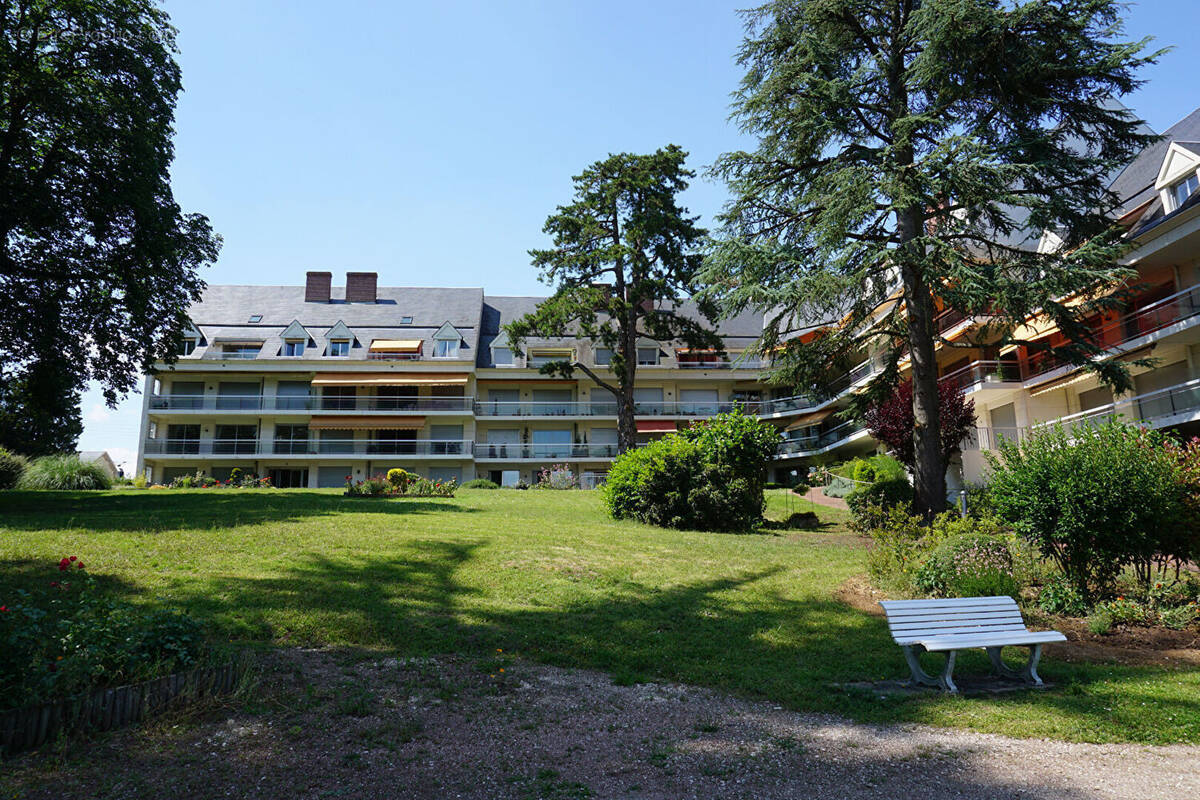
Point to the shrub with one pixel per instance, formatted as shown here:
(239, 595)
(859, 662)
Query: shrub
(1126, 611)
(1179, 617)
(11, 468)
(839, 486)
(424, 487)
(68, 638)
(481, 483)
(63, 472)
(559, 476)
(398, 478)
(1092, 500)
(708, 477)
(139, 482)
(376, 486)
(1099, 622)
(902, 544)
(969, 565)
(869, 504)
(1060, 596)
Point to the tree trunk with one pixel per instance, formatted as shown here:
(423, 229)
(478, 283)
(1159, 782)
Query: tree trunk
(929, 467)
(626, 426)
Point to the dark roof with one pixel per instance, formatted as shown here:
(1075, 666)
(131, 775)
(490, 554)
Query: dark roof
(1134, 185)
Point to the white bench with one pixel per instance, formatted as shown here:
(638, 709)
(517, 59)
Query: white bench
(961, 623)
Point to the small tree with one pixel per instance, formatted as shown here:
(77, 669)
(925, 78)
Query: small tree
(1093, 500)
(891, 421)
(624, 260)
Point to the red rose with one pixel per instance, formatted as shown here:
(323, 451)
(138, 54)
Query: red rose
(3, 609)
(73, 558)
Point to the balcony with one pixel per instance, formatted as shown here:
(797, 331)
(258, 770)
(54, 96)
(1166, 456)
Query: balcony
(990, 438)
(826, 440)
(1180, 307)
(386, 356)
(486, 451)
(1168, 406)
(365, 448)
(978, 374)
(240, 354)
(307, 403)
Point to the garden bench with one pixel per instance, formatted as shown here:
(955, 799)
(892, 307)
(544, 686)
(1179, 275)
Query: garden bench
(960, 623)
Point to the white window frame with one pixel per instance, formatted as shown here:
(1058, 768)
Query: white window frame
(1191, 182)
(512, 357)
(186, 347)
(450, 345)
(654, 363)
(602, 362)
(334, 346)
(294, 344)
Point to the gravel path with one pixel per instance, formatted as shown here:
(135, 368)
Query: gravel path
(328, 724)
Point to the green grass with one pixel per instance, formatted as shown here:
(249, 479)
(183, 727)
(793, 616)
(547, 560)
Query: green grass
(546, 576)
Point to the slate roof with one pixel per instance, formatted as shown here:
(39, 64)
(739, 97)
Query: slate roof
(498, 311)
(224, 313)
(1135, 184)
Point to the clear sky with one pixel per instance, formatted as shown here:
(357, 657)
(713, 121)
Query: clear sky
(428, 141)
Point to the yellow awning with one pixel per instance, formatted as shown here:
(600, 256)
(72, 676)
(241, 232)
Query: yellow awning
(396, 346)
(1031, 330)
(388, 379)
(808, 420)
(366, 423)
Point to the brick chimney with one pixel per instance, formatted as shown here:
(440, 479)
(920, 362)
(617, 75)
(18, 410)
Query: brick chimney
(316, 287)
(360, 287)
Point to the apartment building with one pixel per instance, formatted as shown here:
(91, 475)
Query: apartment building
(313, 384)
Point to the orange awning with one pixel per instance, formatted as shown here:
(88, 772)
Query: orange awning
(656, 426)
(366, 423)
(389, 379)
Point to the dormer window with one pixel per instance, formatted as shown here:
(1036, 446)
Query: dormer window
(294, 347)
(502, 356)
(1182, 190)
(445, 348)
(339, 348)
(186, 347)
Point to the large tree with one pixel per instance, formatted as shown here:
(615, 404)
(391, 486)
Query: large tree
(623, 264)
(906, 151)
(91, 238)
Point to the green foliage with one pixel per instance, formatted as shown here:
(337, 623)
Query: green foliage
(1093, 499)
(67, 638)
(12, 466)
(423, 487)
(63, 472)
(839, 486)
(707, 477)
(1179, 617)
(867, 503)
(481, 483)
(558, 476)
(973, 564)
(99, 263)
(398, 479)
(1099, 622)
(624, 258)
(1060, 596)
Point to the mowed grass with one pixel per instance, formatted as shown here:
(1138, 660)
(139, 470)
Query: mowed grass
(547, 576)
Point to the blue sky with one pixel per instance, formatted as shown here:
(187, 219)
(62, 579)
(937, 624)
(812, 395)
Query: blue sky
(428, 141)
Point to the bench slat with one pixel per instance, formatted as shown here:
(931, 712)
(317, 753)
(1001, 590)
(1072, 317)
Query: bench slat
(930, 630)
(958, 612)
(918, 619)
(941, 643)
(943, 602)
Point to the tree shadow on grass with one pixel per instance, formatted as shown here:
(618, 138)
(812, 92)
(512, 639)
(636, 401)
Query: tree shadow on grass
(724, 632)
(169, 510)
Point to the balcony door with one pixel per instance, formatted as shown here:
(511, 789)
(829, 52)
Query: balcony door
(291, 439)
(292, 396)
(648, 399)
(393, 441)
(552, 402)
(554, 443)
(239, 395)
(447, 439)
(338, 398)
(186, 394)
(239, 439)
(503, 402)
(396, 398)
(183, 439)
(503, 443)
(698, 402)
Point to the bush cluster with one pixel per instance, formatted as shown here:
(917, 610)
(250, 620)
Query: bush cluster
(63, 472)
(558, 476)
(12, 466)
(708, 477)
(411, 485)
(1096, 500)
(237, 480)
(69, 638)
(481, 483)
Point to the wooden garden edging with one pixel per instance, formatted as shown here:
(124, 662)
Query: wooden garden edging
(106, 709)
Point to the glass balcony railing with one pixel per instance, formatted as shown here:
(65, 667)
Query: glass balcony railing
(810, 444)
(309, 447)
(489, 451)
(983, 372)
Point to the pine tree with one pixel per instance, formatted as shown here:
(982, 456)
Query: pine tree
(909, 155)
(624, 261)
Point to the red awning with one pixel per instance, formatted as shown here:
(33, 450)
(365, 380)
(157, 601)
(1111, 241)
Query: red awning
(656, 426)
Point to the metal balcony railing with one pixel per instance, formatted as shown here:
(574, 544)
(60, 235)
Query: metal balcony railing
(805, 445)
(490, 451)
(978, 372)
(309, 403)
(393, 356)
(990, 438)
(235, 355)
(1183, 398)
(309, 447)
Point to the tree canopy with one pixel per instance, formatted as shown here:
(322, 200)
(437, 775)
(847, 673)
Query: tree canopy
(623, 263)
(909, 155)
(98, 263)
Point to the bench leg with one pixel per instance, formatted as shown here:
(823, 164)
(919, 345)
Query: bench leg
(1028, 674)
(945, 681)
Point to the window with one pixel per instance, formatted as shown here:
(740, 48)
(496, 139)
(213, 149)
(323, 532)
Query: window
(406, 320)
(186, 347)
(255, 318)
(603, 356)
(539, 357)
(293, 348)
(1180, 192)
(340, 348)
(445, 348)
(647, 356)
(502, 356)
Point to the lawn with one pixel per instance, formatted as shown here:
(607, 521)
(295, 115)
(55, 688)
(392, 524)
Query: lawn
(546, 576)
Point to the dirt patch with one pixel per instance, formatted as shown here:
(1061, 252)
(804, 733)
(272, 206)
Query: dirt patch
(1153, 646)
(352, 724)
